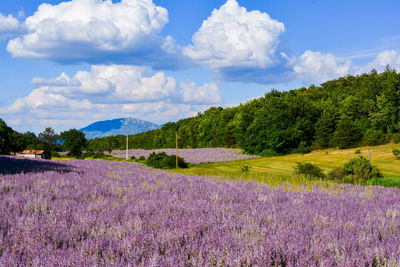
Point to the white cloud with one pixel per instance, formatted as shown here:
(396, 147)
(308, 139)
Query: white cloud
(9, 25)
(109, 92)
(95, 31)
(315, 67)
(383, 59)
(62, 80)
(208, 93)
(234, 37)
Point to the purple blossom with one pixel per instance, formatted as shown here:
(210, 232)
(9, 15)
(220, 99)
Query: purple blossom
(194, 155)
(126, 214)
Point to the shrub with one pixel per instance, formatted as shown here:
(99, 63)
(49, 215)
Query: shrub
(337, 174)
(309, 170)
(361, 170)
(396, 153)
(358, 151)
(245, 168)
(132, 157)
(142, 158)
(163, 161)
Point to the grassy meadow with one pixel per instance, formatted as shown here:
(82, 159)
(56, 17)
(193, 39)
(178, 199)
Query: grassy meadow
(278, 169)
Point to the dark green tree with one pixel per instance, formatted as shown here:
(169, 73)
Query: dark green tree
(74, 141)
(324, 129)
(5, 138)
(17, 142)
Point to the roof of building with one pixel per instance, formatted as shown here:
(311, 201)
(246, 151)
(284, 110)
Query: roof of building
(34, 152)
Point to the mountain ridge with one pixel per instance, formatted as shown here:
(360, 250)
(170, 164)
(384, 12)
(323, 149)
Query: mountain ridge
(119, 126)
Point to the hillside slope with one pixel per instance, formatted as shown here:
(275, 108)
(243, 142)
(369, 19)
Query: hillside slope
(121, 126)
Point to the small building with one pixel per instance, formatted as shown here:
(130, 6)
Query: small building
(37, 154)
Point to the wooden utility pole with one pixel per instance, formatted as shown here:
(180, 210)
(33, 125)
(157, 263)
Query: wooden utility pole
(176, 139)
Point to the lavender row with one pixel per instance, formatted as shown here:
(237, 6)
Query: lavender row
(125, 214)
(195, 155)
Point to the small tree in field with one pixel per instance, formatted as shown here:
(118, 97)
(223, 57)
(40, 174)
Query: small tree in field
(74, 141)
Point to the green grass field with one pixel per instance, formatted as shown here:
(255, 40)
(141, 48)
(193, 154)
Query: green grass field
(275, 170)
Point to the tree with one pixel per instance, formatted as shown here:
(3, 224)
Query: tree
(74, 141)
(5, 138)
(324, 129)
(49, 138)
(17, 142)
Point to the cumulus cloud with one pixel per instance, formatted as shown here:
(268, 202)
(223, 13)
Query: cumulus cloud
(97, 31)
(235, 37)
(208, 93)
(315, 67)
(126, 84)
(9, 25)
(385, 58)
(112, 91)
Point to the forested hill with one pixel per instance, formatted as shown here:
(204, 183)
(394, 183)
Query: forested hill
(347, 112)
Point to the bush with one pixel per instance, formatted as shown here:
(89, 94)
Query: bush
(246, 168)
(358, 151)
(163, 161)
(132, 157)
(396, 153)
(361, 170)
(142, 158)
(337, 174)
(309, 170)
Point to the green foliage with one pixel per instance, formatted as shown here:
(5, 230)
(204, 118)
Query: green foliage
(340, 113)
(74, 141)
(396, 153)
(385, 181)
(141, 158)
(360, 170)
(395, 138)
(358, 151)
(374, 137)
(309, 170)
(245, 168)
(163, 161)
(132, 157)
(337, 174)
(5, 138)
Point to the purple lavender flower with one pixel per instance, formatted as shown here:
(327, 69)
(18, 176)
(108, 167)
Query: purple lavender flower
(101, 213)
(195, 155)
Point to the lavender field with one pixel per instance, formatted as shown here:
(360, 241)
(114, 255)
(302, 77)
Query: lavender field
(90, 213)
(193, 155)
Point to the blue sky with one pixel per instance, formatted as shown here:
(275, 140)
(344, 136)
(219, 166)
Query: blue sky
(65, 64)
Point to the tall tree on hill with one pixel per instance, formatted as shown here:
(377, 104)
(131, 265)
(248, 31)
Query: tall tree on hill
(324, 129)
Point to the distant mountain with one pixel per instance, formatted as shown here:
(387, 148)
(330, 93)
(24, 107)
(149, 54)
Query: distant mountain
(118, 126)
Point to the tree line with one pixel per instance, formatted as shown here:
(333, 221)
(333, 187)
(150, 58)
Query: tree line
(346, 112)
(49, 141)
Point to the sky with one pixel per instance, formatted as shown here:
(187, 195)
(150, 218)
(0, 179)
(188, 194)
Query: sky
(66, 64)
